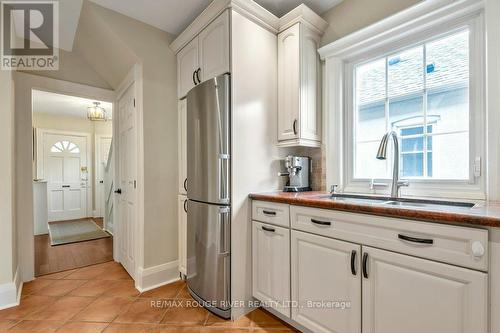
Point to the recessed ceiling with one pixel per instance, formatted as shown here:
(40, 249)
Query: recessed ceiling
(281, 7)
(64, 105)
(173, 16)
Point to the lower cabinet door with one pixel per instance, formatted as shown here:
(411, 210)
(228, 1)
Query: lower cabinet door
(182, 227)
(271, 266)
(412, 295)
(326, 284)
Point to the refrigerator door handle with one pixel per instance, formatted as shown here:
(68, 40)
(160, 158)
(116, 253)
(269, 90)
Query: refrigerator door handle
(223, 240)
(224, 177)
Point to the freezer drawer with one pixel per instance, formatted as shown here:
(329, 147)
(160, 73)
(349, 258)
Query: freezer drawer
(208, 141)
(208, 253)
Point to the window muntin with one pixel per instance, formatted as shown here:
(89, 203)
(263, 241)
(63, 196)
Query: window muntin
(422, 88)
(65, 147)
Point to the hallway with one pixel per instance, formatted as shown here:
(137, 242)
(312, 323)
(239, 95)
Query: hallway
(102, 298)
(51, 259)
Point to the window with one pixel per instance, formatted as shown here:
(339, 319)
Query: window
(65, 147)
(421, 93)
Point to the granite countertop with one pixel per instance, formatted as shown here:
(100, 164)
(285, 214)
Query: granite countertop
(482, 214)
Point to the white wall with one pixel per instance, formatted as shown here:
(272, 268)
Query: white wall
(8, 227)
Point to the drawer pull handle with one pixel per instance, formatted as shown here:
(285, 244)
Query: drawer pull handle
(353, 262)
(268, 229)
(415, 239)
(365, 265)
(269, 213)
(321, 222)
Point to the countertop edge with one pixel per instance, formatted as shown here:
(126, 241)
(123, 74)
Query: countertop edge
(454, 218)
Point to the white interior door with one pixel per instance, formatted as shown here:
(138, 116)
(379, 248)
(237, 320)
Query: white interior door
(103, 144)
(66, 172)
(127, 170)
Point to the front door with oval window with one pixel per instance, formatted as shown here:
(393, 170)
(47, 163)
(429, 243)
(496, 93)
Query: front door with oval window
(65, 169)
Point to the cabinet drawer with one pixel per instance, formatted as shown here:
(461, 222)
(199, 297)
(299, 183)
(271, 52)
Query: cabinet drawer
(270, 212)
(462, 246)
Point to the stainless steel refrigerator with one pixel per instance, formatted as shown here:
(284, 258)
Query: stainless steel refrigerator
(209, 194)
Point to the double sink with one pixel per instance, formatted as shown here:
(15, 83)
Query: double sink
(401, 202)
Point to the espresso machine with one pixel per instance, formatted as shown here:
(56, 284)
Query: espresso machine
(298, 173)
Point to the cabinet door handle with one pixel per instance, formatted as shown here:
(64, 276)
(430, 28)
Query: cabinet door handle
(194, 78)
(416, 240)
(269, 213)
(66, 186)
(268, 229)
(353, 262)
(365, 265)
(294, 125)
(321, 222)
(185, 206)
(198, 74)
(185, 184)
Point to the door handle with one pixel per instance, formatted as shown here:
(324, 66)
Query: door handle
(353, 262)
(268, 229)
(185, 206)
(118, 191)
(321, 222)
(416, 240)
(269, 213)
(66, 186)
(294, 125)
(365, 265)
(198, 74)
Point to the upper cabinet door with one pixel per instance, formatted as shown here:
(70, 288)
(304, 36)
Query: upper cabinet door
(187, 66)
(214, 48)
(310, 85)
(324, 271)
(289, 83)
(412, 295)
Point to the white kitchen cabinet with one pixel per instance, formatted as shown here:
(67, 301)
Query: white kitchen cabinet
(271, 265)
(182, 230)
(205, 57)
(299, 87)
(321, 271)
(187, 65)
(213, 44)
(182, 148)
(407, 294)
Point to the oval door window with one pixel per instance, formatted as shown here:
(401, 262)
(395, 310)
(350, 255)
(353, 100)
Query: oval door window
(65, 147)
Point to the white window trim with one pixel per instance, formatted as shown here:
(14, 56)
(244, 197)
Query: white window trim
(412, 26)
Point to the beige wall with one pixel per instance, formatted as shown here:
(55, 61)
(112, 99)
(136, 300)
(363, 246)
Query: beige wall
(151, 47)
(8, 235)
(352, 15)
(73, 124)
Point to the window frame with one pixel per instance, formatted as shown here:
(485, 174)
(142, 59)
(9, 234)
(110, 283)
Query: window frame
(472, 188)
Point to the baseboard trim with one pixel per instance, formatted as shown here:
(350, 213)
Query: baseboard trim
(10, 293)
(157, 276)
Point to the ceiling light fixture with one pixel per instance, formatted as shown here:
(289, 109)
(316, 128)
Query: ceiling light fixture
(97, 113)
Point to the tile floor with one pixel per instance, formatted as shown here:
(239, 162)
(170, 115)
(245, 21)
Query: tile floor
(102, 298)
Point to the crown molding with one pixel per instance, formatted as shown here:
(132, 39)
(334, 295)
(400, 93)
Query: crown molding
(254, 12)
(421, 16)
(303, 14)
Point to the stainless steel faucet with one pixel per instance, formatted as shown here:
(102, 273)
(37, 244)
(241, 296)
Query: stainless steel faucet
(382, 155)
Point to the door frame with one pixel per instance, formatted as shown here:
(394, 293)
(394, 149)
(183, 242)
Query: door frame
(97, 153)
(133, 77)
(24, 85)
(40, 167)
